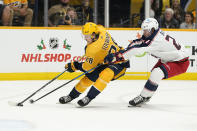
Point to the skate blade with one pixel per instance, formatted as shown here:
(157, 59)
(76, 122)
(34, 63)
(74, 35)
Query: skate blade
(139, 105)
(78, 106)
(58, 103)
(135, 106)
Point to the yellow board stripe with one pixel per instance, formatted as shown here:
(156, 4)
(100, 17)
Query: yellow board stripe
(69, 76)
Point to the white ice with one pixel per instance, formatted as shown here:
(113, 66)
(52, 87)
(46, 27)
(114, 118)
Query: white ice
(172, 108)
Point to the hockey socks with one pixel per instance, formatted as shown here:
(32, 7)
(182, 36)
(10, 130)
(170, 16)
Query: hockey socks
(152, 84)
(149, 89)
(145, 95)
(93, 92)
(74, 93)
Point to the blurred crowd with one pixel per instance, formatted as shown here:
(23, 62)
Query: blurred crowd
(65, 14)
(173, 16)
(11, 11)
(62, 12)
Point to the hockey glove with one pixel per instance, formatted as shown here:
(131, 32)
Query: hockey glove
(114, 57)
(110, 58)
(70, 67)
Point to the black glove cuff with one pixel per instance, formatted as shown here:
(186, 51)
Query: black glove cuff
(78, 66)
(70, 69)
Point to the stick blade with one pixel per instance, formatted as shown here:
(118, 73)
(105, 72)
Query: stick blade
(11, 103)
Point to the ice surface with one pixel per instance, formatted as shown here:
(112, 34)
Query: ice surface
(172, 108)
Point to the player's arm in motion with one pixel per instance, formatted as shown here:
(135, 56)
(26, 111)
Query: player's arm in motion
(173, 60)
(99, 45)
(136, 47)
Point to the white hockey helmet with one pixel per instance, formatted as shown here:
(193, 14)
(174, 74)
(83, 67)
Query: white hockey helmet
(149, 23)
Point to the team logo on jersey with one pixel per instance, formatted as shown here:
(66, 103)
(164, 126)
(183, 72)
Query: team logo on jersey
(53, 43)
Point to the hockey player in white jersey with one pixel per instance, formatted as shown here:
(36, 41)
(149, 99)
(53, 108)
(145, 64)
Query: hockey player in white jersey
(173, 59)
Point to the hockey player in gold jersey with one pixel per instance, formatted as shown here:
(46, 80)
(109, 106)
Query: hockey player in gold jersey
(99, 45)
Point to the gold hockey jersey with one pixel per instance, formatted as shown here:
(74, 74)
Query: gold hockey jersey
(96, 52)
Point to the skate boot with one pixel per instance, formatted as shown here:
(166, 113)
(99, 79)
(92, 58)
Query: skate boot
(65, 99)
(139, 100)
(83, 102)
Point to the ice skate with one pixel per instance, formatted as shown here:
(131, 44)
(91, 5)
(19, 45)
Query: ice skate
(83, 102)
(139, 100)
(65, 99)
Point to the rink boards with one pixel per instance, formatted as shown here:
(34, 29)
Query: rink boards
(41, 53)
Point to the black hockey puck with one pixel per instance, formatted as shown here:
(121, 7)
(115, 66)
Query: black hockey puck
(19, 104)
(31, 101)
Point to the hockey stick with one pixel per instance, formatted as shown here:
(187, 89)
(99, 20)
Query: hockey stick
(33, 101)
(21, 103)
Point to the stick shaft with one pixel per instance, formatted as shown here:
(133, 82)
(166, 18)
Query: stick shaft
(42, 87)
(64, 84)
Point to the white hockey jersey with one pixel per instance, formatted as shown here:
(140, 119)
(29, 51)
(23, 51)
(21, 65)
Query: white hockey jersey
(159, 45)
